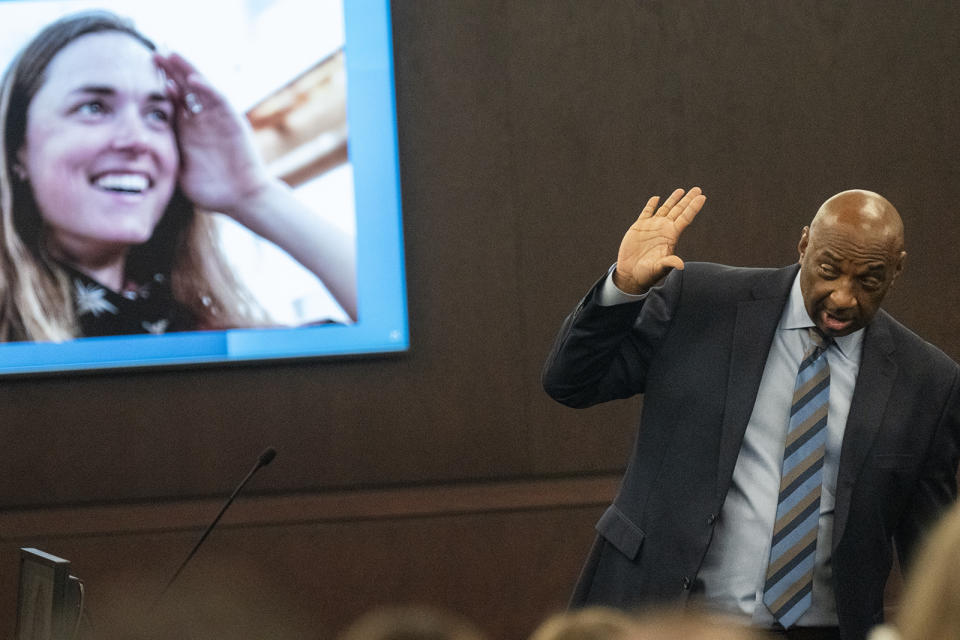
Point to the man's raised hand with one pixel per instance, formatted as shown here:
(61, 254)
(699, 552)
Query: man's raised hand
(646, 251)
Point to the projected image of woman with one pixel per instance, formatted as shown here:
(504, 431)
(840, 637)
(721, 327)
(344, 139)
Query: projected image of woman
(112, 154)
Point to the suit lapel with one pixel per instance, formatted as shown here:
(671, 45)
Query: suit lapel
(878, 370)
(756, 324)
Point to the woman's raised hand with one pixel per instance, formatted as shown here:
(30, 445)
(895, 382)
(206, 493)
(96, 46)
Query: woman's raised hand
(220, 168)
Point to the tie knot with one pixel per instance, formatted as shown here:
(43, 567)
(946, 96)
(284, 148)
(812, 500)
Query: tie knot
(820, 342)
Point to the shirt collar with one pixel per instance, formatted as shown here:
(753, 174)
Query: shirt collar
(795, 316)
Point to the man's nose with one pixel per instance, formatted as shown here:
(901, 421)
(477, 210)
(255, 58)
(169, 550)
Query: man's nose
(842, 296)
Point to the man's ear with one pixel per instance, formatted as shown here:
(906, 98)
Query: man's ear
(804, 240)
(898, 267)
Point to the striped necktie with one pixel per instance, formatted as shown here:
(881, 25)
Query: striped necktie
(789, 581)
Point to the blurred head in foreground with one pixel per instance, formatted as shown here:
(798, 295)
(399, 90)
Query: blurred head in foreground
(601, 623)
(411, 623)
(930, 606)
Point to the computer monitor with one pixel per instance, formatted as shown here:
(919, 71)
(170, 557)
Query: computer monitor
(48, 600)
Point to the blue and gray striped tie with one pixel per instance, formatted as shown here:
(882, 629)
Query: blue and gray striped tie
(789, 582)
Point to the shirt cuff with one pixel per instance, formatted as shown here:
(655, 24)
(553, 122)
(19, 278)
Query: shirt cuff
(611, 295)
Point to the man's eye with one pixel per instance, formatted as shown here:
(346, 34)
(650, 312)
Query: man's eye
(827, 271)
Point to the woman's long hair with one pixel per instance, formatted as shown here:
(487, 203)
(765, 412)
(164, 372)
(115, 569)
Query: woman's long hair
(35, 298)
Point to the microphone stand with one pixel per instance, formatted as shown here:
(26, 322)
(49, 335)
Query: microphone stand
(265, 458)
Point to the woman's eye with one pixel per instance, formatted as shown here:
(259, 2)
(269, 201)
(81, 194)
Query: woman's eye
(93, 108)
(160, 115)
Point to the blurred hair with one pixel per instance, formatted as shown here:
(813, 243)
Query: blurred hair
(411, 623)
(693, 624)
(591, 623)
(603, 623)
(35, 298)
(929, 608)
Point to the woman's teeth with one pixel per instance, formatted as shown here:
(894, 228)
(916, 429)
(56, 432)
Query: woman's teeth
(125, 182)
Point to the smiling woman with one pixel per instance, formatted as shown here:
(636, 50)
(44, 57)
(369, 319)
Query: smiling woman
(100, 152)
(113, 154)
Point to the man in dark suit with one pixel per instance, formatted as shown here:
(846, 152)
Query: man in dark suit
(754, 489)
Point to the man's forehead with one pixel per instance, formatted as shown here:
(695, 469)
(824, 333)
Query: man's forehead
(869, 261)
(868, 258)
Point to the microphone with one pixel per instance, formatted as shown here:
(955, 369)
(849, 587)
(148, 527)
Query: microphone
(265, 458)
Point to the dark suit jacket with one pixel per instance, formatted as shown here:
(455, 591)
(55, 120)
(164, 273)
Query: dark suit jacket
(696, 348)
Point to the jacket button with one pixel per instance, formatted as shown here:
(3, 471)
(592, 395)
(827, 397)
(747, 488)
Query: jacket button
(711, 518)
(685, 582)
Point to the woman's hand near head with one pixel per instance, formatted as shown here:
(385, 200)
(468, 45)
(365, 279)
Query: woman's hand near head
(220, 168)
(222, 171)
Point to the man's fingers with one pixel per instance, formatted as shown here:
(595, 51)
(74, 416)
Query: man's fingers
(682, 205)
(650, 206)
(690, 212)
(670, 262)
(669, 204)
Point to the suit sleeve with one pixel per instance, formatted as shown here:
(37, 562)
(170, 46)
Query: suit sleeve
(937, 486)
(603, 352)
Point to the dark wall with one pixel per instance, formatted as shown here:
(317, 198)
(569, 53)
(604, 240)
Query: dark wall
(530, 134)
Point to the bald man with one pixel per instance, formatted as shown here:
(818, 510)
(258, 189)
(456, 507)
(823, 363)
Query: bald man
(792, 431)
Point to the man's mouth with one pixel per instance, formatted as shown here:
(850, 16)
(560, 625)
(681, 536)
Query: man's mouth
(835, 323)
(122, 182)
